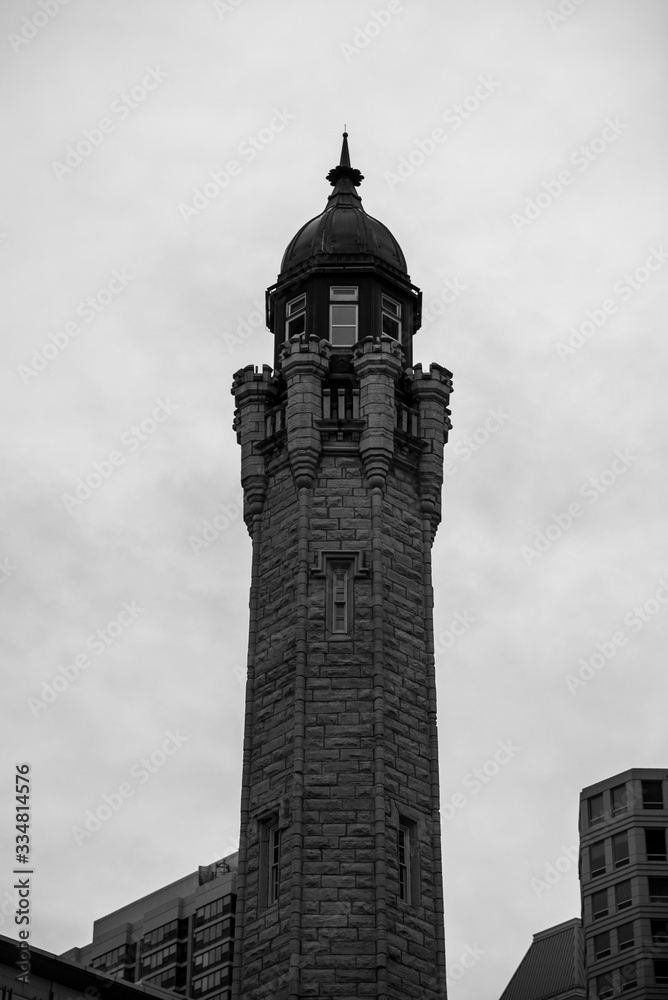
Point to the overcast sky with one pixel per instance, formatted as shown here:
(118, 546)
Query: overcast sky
(518, 155)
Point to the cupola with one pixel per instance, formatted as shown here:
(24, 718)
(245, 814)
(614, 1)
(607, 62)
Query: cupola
(343, 275)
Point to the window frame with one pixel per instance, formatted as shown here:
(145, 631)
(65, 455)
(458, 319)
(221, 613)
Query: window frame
(625, 902)
(621, 838)
(597, 847)
(391, 316)
(346, 296)
(295, 310)
(647, 801)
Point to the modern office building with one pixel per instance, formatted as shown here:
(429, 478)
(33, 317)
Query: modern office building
(339, 883)
(624, 885)
(553, 967)
(179, 938)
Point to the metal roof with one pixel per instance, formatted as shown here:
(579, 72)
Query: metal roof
(553, 967)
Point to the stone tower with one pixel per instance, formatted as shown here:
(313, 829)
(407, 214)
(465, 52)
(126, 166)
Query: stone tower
(339, 883)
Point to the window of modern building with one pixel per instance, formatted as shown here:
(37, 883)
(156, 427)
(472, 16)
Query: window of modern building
(620, 849)
(221, 977)
(658, 890)
(601, 945)
(660, 971)
(223, 929)
(628, 977)
(655, 844)
(391, 317)
(623, 896)
(652, 795)
(595, 809)
(599, 904)
(214, 956)
(167, 932)
(619, 799)
(597, 859)
(625, 936)
(604, 986)
(164, 956)
(206, 913)
(343, 315)
(295, 316)
(659, 931)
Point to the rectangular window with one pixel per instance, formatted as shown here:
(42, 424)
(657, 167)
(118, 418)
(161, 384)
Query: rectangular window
(628, 977)
(619, 799)
(660, 971)
(625, 937)
(274, 863)
(623, 898)
(408, 862)
(659, 931)
(601, 945)
(295, 317)
(339, 596)
(604, 987)
(391, 317)
(658, 890)
(404, 859)
(655, 844)
(597, 859)
(599, 904)
(595, 809)
(652, 795)
(343, 315)
(620, 849)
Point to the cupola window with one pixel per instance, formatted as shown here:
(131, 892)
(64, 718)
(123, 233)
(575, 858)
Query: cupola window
(391, 317)
(295, 316)
(343, 315)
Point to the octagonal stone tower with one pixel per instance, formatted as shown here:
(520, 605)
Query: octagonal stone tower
(339, 882)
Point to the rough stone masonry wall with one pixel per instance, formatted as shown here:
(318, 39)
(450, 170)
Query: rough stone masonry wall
(338, 924)
(266, 928)
(411, 937)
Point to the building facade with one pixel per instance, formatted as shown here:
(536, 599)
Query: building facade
(624, 885)
(179, 938)
(553, 967)
(339, 880)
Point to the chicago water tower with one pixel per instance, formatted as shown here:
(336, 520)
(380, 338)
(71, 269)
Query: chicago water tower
(339, 883)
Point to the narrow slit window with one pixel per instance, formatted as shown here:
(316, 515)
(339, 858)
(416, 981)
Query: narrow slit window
(340, 596)
(404, 860)
(275, 863)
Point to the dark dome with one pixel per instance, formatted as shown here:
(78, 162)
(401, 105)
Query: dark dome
(344, 229)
